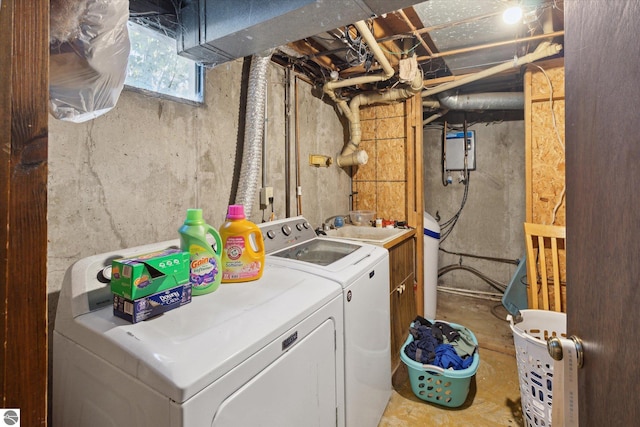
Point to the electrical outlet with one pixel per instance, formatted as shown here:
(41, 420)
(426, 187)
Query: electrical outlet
(266, 196)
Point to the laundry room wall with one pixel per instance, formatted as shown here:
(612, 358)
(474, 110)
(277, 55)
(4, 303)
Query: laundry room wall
(127, 178)
(490, 224)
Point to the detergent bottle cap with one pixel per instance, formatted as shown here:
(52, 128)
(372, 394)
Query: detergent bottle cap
(235, 212)
(194, 216)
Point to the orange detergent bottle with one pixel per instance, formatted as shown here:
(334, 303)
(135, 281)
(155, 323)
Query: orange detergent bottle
(242, 247)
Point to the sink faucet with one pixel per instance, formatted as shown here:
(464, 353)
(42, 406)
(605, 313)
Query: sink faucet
(328, 223)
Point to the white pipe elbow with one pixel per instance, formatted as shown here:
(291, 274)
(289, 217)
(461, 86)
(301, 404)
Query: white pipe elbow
(358, 157)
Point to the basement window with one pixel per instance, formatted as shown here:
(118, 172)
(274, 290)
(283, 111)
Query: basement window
(155, 66)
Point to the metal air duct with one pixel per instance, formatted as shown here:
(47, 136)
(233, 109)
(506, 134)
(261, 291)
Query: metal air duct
(482, 101)
(216, 31)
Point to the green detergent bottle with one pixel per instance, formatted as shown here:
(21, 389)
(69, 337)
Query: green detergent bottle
(205, 271)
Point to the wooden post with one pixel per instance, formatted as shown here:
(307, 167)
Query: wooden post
(24, 84)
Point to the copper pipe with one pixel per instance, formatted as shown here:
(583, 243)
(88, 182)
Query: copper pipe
(297, 130)
(287, 141)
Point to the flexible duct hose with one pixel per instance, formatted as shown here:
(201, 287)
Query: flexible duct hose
(253, 132)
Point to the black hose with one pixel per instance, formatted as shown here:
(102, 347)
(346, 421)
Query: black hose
(505, 260)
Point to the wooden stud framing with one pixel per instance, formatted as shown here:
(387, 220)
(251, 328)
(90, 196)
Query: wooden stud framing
(24, 87)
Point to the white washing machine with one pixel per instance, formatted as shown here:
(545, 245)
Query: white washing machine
(262, 353)
(362, 270)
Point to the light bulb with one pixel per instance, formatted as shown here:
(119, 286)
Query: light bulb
(513, 15)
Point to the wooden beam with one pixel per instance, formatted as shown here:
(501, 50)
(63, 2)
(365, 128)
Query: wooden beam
(414, 188)
(415, 32)
(306, 48)
(24, 88)
(390, 48)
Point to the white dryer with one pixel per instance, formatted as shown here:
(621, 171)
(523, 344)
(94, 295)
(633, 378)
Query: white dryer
(262, 353)
(362, 270)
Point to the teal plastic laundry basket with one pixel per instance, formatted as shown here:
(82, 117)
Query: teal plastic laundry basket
(434, 384)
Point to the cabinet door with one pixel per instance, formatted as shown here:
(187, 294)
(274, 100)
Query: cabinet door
(403, 311)
(403, 299)
(402, 262)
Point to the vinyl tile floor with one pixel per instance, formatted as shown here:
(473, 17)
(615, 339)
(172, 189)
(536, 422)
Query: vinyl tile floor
(494, 393)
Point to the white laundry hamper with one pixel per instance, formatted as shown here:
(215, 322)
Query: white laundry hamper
(535, 365)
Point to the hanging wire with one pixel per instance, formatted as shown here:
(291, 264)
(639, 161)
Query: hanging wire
(461, 254)
(404, 52)
(358, 52)
(448, 225)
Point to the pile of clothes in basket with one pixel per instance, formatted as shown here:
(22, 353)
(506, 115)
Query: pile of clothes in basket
(439, 344)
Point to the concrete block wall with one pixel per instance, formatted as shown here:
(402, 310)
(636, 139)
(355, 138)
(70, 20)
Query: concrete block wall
(491, 222)
(126, 178)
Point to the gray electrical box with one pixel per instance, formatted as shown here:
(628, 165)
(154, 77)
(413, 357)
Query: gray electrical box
(454, 150)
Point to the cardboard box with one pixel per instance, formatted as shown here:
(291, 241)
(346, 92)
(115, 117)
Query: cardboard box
(146, 307)
(147, 274)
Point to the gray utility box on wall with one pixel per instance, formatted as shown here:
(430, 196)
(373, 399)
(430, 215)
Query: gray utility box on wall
(454, 150)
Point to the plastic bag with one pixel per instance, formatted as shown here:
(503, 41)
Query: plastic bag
(86, 74)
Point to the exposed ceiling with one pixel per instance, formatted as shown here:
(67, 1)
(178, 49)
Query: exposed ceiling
(451, 39)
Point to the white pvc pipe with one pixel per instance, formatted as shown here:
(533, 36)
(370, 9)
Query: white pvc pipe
(544, 50)
(359, 157)
(350, 154)
(468, 294)
(362, 28)
(434, 117)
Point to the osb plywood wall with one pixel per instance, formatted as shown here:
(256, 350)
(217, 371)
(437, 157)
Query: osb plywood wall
(391, 182)
(545, 154)
(381, 184)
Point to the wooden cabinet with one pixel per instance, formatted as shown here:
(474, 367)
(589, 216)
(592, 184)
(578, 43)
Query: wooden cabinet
(402, 294)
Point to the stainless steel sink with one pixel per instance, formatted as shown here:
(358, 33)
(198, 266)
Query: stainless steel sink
(376, 236)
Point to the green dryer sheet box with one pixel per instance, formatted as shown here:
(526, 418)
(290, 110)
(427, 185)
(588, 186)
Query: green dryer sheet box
(147, 274)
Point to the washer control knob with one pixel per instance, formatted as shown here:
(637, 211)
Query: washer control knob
(286, 229)
(104, 275)
(271, 234)
(299, 226)
(306, 225)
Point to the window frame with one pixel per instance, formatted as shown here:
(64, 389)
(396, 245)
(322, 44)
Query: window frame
(199, 78)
